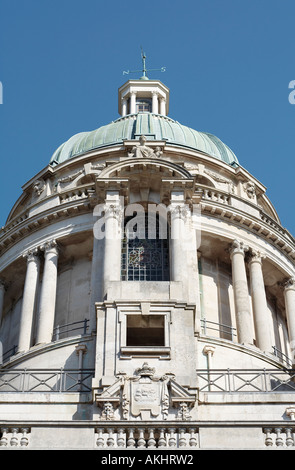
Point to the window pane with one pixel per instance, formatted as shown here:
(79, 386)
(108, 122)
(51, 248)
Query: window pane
(145, 259)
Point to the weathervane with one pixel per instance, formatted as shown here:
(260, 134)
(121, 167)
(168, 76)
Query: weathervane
(144, 69)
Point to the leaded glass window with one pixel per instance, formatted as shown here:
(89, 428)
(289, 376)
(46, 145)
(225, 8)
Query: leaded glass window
(144, 258)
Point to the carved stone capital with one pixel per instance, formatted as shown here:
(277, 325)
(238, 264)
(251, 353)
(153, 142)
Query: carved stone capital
(288, 283)
(180, 211)
(255, 256)
(291, 413)
(238, 247)
(32, 255)
(114, 211)
(50, 247)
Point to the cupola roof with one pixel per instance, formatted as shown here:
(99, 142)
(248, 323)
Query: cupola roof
(154, 127)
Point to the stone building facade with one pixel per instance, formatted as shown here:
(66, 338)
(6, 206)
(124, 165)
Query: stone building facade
(147, 294)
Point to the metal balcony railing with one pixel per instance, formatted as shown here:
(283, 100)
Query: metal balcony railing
(224, 330)
(46, 380)
(63, 331)
(246, 381)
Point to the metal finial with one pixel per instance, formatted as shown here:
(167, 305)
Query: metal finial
(144, 69)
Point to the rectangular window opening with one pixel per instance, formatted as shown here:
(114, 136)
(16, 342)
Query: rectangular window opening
(145, 330)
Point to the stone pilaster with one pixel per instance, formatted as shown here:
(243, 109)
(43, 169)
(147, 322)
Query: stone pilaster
(241, 293)
(289, 294)
(132, 103)
(163, 106)
(179, 212)
(261, 317)
(113, 238)
(2, 293)
(29, 300)
(155, 103)
(48, 294)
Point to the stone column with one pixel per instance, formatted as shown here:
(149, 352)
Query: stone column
(289, 294)
(178, 237)
(2, 292)
(113, 238)
(155, 103)
(48, 294)
(261, 318)
(132, 103)
(29, 300)
(163, 106)
(241, 294)
(124, 107)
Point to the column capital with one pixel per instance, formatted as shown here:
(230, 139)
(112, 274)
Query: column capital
(208, 349)
(179, 211)
(238, 247)
(255, 256)
(288, 283)
(49, 247)
(32, 255)
(114, 210)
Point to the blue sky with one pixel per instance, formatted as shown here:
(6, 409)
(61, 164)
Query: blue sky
(228, 67)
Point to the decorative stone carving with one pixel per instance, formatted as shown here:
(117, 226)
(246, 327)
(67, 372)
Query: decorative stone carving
(69, 178)
(108, 411)
(145, 395)
(250, 189)
(255, 256)
(288, 283)
(238, 247)
(38, 187)
(180, 211)
(143, 151)
(98, 166)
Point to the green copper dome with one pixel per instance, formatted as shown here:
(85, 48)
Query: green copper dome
(154, 127)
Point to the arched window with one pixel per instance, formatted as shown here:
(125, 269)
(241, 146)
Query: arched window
(145, 257)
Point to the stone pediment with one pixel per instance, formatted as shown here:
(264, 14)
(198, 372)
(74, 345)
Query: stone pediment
(145, 395)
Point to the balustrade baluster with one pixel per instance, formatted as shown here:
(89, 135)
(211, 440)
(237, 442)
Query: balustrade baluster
(182, 437)
(279, 439)
(172, 438)
(121, 438)
(4, 438)
(151, 439)
(14, 438)
(162, 440)
(193, 441)
(24, 441)
(268, 438)
(131, 440)
(141, 440)
(110, 438)
(100, 439)
(289, 437)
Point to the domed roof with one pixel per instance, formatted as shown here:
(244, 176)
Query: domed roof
(154, 127)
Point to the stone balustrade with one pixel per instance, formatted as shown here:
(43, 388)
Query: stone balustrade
(146, 437)
(279, 436)
(14, 437)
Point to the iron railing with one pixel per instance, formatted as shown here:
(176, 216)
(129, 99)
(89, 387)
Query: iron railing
(213, 380)
(7, 354)
(62, 331)
(282, 357)
(227, 330)
(246, 381)
(46, 380)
